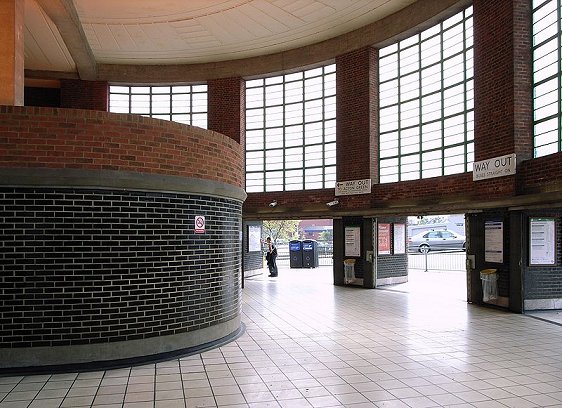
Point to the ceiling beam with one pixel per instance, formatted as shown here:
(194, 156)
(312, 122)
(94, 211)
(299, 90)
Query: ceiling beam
(65, 17)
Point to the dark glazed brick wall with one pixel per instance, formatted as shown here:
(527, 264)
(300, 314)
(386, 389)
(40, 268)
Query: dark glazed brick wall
(252, 260)
(545, 282)
(393, 265)
(92, 266)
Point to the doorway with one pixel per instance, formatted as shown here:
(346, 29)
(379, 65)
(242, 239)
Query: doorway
(436, 249)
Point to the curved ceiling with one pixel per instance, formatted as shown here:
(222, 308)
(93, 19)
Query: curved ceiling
(75, 36)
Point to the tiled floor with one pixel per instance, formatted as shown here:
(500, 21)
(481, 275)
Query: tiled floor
(311, 344)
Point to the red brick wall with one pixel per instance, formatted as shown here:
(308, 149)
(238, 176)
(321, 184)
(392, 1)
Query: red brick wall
(494, 76)
(502, 87)
(356, 93)
(503, 78)
(226, 114)
(288, 202)
(86, 139)
(77, 94)
(541, 175)
(523, 79)
(227, 107)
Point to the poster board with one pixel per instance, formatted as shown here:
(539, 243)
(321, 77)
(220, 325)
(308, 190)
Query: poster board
(493, 241)
(254, 238)
(384, 239)
(542, 241)
(399, 239)
(352, 241)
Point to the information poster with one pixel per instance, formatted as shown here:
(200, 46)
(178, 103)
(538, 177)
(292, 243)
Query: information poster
(542, 241)
(384, 239)
(352, 241)
(493, 241)
(399, 238)
(254, 238)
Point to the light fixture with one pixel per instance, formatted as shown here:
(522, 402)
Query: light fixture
(332, 203)
(273, 203)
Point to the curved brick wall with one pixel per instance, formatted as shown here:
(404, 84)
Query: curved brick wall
(99, 255)
(73, 138)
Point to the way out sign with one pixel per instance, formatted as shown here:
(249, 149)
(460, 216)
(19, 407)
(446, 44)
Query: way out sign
(353, 187)
(495, 167)
(199, 224)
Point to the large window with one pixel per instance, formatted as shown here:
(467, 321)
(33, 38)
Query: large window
(546, 77)
(426, 102)
(180, 103)
(291, 131)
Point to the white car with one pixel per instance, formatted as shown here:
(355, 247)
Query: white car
(437, 241)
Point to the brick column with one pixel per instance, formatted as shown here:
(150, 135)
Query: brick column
(357, 110)
(503, 77)
(227, 107)
(12, 51)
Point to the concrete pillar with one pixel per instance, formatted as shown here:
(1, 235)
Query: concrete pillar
(12, 51)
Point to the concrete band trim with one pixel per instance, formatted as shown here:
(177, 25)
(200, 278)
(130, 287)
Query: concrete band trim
(110, 354)
(122, 180)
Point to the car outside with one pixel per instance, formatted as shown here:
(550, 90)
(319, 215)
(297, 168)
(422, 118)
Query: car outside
(436, 241)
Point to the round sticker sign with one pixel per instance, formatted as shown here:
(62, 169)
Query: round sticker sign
(199, 224)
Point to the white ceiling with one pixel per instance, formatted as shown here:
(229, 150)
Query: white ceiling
(65, 35)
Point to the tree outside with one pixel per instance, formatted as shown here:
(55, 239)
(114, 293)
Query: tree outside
(281, 231)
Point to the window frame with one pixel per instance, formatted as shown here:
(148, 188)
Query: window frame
(287, 147)
(192, 112)
(553, 144)
(403, 154)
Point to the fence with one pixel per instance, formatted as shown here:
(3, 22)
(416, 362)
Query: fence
(436, 261)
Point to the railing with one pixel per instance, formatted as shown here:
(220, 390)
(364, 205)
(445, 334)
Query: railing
(438, 261)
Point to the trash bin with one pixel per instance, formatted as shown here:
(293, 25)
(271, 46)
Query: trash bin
(309, 253)
(348, 271)
(295, 254)
(489, 279)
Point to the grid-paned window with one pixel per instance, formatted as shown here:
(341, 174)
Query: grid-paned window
(179, 103)
(291, 131)
(427, 103)
(547, 69)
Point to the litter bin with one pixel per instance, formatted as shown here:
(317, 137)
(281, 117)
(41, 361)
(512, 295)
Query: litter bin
(295, 254)
(348, 271)
(489, 279)
(309, 253)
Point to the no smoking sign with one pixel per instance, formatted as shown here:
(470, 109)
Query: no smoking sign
(199, 224)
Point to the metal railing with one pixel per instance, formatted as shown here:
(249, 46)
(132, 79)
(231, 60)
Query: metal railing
(436, 261)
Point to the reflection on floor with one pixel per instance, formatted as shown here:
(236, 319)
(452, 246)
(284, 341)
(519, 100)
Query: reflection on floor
(311, 344)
